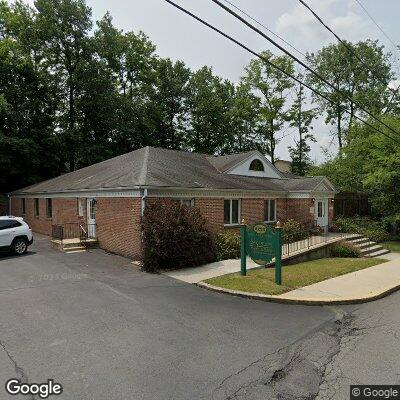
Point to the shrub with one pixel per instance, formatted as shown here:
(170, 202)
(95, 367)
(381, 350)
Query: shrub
(293, 231)
(374, 230)
(344, 249)
(375, 233)
(175, 236)
(228, 246)
(334, 228)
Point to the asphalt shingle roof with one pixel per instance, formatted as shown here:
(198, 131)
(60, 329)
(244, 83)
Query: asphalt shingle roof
(157, 167)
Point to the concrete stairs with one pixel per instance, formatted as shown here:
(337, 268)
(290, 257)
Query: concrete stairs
(73, 245)
(366, 246)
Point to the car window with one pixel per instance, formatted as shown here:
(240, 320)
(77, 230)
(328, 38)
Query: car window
(8, 223)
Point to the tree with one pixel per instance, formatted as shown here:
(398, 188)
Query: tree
(64, 27)
(272, 86)
(27, 104)
(243, 116)
(355, 83)
(210, 99)
(369, 163)
(170, 103)
(301, 118)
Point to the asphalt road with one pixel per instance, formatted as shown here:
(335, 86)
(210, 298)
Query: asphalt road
(105, 330)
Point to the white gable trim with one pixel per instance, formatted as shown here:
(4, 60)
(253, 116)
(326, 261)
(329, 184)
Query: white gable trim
(243, 167)
(325, 186)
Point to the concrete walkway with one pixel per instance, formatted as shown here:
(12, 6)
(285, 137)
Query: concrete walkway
(212, 270)
(356, 287)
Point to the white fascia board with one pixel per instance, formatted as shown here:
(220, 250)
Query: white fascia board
(82, 193)
(231, 193)
(310, 195)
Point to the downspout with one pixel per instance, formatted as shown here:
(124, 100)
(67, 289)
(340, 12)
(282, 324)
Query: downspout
(143, 201)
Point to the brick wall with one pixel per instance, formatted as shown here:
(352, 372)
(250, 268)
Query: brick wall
(301, 210)
(252, 210)
(117, 220)
(212, 210)
(118, 226)
(64, 210)
(331, 211)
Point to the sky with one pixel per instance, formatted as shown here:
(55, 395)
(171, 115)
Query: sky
(178, 36)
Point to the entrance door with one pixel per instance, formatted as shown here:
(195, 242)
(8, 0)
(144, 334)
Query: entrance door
(91, 218)
(321, 212)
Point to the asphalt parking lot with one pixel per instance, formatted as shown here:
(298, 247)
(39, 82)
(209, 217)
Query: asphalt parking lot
(105, 330)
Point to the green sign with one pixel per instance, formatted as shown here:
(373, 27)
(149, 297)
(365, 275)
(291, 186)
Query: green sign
(261, 243)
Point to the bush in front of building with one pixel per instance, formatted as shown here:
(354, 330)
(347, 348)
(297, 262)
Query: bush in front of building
(294, 231)
(175, 236)
(345, 250)
(373, 230)
(228, 246)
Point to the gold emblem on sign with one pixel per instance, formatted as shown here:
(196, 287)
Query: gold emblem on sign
(260, 229)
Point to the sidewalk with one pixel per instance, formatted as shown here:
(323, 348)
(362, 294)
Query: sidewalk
(356, 287)
(212, 270)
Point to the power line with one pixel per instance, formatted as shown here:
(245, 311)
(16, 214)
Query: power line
(267, 61)
(301, 63)
(265, 27)
(348, 47)
(394, 46)
(377, 25)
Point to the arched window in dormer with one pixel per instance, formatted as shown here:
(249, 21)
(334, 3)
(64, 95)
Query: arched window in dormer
(256, 165)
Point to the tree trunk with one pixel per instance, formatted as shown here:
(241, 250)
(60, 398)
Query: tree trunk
(71, 125)
(272, 142)
(339, 128)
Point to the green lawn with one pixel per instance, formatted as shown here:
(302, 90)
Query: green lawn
(392, 245)
(293, 276)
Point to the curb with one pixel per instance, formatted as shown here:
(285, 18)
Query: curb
(309, 302)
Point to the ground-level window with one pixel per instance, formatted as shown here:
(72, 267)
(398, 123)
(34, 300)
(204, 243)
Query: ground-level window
(49, 208)
(23, 206)
(231, 212)
(187, 202)
(79, 207)
(36, 207)
(270, 210)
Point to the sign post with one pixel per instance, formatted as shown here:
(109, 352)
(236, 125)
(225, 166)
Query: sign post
(262, 243)
(243, 248)
(278, 255)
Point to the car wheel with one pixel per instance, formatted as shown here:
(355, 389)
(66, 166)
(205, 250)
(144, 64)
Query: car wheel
(19, 246)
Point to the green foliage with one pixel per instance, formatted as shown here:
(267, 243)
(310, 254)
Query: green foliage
(374, 230)
(274, 87)
(301, 119)
(175, 236)
(353, 79)
(369, 163)
(345, 250)
(228, 246)
(72, 95)
(294, 231)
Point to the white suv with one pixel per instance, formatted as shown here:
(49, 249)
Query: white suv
(15, 234)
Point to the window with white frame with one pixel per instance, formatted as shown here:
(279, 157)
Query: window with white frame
(270, 210)
(79, 207)
(187, 202)
(231, 211)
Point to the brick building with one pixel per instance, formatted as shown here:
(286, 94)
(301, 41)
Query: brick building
(107, 199)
